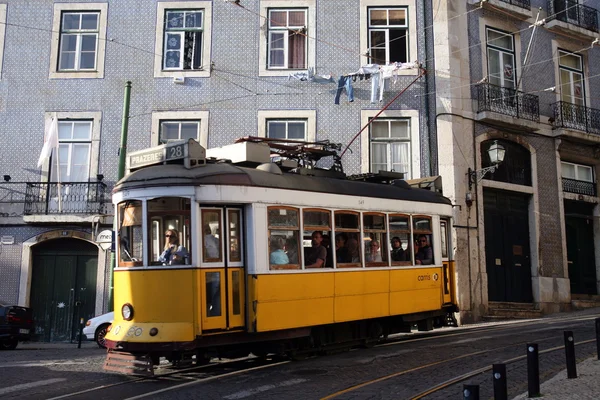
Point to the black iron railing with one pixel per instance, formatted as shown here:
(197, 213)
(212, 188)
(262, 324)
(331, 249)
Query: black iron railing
(65, 198)
(519, 3)
(579, 187)
(508, 102)
(573, 116)
(570, 11)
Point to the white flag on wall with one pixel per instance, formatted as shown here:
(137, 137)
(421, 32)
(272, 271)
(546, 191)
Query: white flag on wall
(51, 139)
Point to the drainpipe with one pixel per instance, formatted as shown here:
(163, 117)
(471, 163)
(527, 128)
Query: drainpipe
(430, 122)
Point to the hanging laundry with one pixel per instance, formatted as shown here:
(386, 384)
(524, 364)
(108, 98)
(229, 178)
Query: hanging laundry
(345, 82)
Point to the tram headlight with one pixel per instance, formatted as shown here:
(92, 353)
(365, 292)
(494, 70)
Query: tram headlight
(127, 312)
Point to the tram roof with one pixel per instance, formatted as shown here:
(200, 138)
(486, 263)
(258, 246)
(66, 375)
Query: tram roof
(233, 175)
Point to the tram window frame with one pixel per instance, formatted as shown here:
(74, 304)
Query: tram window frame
(352, 233)
(218, 234)
(236, 256)
(162, 215)
(445, 239)
(400, 233)
(130, 220)
(371, 233)
(427, 232)
(309, 229)
(283, 230)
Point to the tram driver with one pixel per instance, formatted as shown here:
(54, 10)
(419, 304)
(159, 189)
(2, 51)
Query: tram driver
(174, 253)
(316, 255)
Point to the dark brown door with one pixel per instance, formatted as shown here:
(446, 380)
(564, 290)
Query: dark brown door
(507, 246)
(580, 247)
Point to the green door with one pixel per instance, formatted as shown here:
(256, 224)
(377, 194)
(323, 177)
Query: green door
(63, 287)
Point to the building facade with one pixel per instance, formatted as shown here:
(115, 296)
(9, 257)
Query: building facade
(523, 74)
(209, 70)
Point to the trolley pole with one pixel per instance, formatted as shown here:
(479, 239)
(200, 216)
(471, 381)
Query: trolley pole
(120, 175)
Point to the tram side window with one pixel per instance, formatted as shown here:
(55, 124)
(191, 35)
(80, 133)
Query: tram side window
(375, 238)
(347, 239)
(317, 241)
(130, 233)
(284, 238)
(212, 235)
(170, 231)
(423, 240)
(400, 240)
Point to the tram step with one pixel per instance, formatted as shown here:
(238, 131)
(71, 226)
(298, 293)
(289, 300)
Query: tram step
(129, 364)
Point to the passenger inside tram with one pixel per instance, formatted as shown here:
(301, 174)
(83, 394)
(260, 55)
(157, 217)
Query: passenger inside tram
(278, 256)
(316, 255)
(342, 254)
(398, 252)
(173, 253)
(424, 254)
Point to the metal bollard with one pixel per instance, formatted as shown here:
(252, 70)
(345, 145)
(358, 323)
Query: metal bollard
(470, 392)
(570, 353)
(80, 332)
(500, 388)
(598, 337)
(533, 370)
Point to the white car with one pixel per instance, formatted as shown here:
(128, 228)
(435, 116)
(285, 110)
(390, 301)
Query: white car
(95, 328)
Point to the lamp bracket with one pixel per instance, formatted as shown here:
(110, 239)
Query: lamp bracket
(475, 176)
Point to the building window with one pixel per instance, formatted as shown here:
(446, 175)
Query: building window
(287, 39)
(78, 41)
(390, 145)
(179, 125)
(183, 39)
(388, 35)
(571, 78)
(291, 129)
(577, 171)
(288, 124)
(179, 130)
(74, 150)
(501, 58)
(287, 36)
(78, 33)
(388, 32)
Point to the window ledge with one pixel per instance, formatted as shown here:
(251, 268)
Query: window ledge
(493, 5)
(60, 218)
(568, 29)
(580, 136)
(580, 197)
(182, 73)
(77, 75)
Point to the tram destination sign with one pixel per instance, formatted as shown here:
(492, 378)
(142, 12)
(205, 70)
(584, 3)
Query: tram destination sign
(188, 153)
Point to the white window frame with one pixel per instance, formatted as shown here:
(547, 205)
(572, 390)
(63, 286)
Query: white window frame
(78, 34)
(96, 118)
(572, 48)
(411, 17)
(386, 30)
(287, 121)
(415, 141)
(285, 31)
(265, 5)
(98, 72)
(181, 116)
(502, 51)
(70, 145)
(162, 7)
(388, 142)
(501, 25)
(572, 72)
(2, 33)
(179, 122)
(577, 167)
(181, 34)
(310, 116)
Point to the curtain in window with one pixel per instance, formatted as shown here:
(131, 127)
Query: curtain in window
(192, 50)
(401, 158)
(297, 53)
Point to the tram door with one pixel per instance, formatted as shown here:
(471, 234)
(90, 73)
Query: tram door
(222, 263)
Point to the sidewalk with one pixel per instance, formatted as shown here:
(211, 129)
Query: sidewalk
(586, 386)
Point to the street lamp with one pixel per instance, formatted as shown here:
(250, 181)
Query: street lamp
(496, 154)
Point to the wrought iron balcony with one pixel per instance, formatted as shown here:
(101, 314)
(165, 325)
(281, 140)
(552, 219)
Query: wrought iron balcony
(571, 12)
(579, 187)
(573, 116)
(519, 3)
(51, 198)
(508, 102)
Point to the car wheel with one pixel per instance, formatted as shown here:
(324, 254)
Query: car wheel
(100, 334)
(9, 344)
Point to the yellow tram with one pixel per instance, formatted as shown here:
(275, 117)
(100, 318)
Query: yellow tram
(242, 228)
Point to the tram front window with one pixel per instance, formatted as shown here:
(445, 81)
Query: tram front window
(170, 236)
(130, 233)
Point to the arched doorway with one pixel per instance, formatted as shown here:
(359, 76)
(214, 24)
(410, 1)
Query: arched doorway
(506, 219)
(63, 287)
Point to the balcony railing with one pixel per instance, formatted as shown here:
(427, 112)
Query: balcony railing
(571, 12)
(44, 198)
(579, 187)
(519, 3)
(573, 116)
(508, 102)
